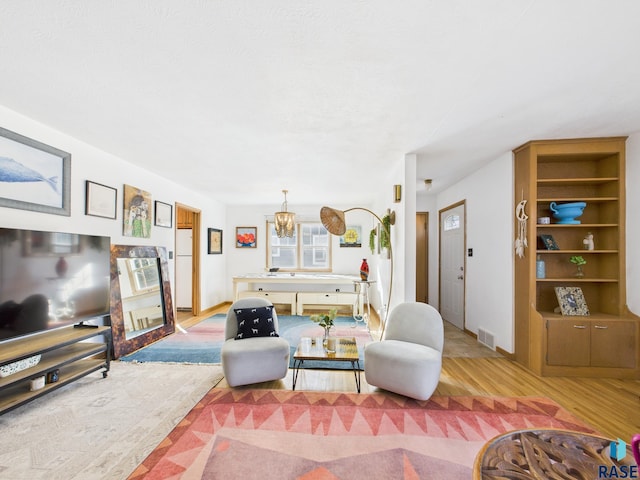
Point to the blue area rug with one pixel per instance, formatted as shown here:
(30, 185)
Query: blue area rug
(201, 343)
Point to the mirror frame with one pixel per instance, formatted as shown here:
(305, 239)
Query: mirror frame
(122, 346)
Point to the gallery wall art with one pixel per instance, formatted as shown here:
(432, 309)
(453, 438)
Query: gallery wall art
(163, 214)
(246, 237)
(34, 176)
(137, 212)
(352, 237)
(214, 243)
(100, 200)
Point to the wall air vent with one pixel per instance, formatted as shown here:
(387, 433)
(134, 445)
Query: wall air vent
(486, 338)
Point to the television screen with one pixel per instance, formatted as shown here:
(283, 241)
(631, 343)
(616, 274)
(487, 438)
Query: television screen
(50, 280)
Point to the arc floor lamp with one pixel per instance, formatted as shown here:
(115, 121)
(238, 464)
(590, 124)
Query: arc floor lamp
(333, 221)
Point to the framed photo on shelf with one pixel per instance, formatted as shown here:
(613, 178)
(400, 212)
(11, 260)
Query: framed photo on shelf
(36, 177)
(100, 200)
(163, 214)
(549, 242)
(246, 237)
(214, 241)
(571, 300)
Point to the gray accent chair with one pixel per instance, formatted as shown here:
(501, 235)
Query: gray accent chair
(252, 360)
(408, 360)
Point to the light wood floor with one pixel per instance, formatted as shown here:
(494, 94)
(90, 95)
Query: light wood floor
(610, 406)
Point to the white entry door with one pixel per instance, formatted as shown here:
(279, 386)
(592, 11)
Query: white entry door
(452, 247)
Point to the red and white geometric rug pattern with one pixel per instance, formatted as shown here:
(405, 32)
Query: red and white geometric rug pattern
(278, 434)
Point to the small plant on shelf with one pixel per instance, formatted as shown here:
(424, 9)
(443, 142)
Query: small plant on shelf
(578, 261)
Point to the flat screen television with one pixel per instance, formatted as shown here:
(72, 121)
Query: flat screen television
(50, 280)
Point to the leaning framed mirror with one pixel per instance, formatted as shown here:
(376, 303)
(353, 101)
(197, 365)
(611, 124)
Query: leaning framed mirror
(141, 306)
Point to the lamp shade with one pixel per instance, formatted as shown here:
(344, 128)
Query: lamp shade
(333, 220)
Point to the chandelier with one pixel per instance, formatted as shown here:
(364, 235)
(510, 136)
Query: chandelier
(284, 221)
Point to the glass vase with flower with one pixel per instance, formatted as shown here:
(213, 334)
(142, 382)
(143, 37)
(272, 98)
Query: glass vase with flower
(325, 320)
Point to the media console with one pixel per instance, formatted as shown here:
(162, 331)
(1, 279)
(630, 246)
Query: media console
(66, 355)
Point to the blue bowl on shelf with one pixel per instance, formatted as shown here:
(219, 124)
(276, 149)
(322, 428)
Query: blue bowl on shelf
(566, 213)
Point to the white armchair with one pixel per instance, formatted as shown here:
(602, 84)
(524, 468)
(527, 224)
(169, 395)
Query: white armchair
(263, 356)
(408, 360)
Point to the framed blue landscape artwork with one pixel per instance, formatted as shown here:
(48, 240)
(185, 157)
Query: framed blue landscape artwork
(34, 176)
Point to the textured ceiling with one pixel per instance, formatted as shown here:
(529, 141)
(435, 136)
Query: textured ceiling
(319, 97)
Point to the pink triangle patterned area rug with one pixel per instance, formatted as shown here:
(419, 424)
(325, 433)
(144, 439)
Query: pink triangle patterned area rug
(279, 434)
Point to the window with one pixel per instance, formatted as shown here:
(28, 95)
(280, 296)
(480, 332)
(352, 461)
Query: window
(143, 273)
(308, 249)
(452, 222)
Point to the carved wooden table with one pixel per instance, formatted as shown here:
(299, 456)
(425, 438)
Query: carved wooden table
(547, 454)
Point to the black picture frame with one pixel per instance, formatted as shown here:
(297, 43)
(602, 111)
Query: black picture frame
(100, 200)
(549, 242)
(214, 241)
(37, 176)
(163, 214)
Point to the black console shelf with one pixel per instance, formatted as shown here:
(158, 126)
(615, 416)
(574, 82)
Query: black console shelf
(64, 350)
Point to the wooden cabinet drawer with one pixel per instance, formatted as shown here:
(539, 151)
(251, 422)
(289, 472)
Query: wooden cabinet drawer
(325, 298)
(281, 298)
(580, 342)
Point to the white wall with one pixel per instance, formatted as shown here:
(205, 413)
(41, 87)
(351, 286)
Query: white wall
(241, 261)
(489, 278)
(90, 163)
(488, 194)
(345, 260)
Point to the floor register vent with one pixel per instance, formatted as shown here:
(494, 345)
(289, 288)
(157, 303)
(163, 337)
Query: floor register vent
(486, 338)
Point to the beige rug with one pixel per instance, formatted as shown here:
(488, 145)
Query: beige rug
(100, 429)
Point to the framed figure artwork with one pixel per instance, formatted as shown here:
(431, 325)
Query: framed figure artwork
(136, 213)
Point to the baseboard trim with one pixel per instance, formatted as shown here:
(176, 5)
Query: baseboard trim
(504, 353)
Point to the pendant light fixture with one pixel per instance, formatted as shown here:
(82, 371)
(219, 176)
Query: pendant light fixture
(284, 221)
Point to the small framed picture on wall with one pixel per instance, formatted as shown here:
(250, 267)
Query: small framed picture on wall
(100, 200)
(246, 237)
(214, 241)
(163, 214)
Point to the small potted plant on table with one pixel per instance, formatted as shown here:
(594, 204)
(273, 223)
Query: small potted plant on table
(325, 320)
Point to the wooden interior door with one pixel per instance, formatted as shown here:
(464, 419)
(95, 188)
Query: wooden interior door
(422, 257)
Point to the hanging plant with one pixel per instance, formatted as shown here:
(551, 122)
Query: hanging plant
(372, 240)
(384, 232)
